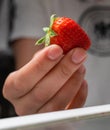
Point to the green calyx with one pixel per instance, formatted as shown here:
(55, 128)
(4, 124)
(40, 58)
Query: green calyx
(49, 33)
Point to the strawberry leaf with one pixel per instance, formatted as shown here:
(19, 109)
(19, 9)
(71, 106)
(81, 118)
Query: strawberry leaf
(52, 19)
(52, 33)
(46, 29)
(40, 41)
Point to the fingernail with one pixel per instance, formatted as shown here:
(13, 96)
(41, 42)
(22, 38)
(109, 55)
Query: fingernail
(54, 52)
(78, 56)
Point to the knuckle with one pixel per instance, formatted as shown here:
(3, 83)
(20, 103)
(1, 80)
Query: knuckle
(65, 70)
(20, 110)
(23, 108)
(11, 87)
(17, 86)
(7, 85)
(40, 65)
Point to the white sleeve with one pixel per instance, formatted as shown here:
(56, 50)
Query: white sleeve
(30, 17)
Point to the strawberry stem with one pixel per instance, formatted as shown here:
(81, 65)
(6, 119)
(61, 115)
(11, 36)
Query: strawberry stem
(49, 33)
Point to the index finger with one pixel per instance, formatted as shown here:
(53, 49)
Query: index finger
(23, 80)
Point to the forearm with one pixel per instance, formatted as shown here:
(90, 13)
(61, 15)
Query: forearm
(24, 50)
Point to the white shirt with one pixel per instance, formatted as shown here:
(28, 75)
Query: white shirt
(26, 20)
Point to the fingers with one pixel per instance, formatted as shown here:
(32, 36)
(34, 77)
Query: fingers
(24, 79)
(66, 93)
(58, 101)
(34, 85)
(80, 98)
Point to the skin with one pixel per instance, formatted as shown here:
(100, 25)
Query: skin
(46, 80)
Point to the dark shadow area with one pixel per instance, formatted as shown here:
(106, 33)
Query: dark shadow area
(6, 66)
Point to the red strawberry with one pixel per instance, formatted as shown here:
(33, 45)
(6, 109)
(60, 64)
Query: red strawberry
(66, 33)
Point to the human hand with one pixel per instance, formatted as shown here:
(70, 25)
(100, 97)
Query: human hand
(49, 82)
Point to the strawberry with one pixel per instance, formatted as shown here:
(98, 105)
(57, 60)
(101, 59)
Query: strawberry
(66, 33)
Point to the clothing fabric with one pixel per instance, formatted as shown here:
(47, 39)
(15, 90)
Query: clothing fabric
(24, 17)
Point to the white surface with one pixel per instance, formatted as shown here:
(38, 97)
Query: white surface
(45, 119)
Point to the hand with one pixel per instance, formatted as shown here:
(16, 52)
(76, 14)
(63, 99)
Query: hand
(49, 82)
